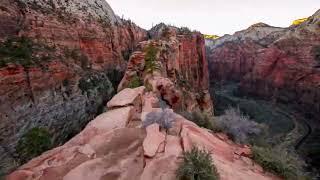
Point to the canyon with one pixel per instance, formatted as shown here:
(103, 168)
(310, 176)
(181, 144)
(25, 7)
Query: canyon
(120, 144)
(80, 50)
(96, 83)
(279, 64)
(274, 68)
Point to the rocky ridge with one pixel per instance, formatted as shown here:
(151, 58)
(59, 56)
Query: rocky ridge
(115, 146)
(176, 67)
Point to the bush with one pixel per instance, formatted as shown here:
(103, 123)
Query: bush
(149, 87)
(164, 118)
(238, 126)
(22, 50)
(201, 119)
(278, 161)
(135, 82)
(151, 58)
(197, 165)
(33, 143)
(93, 83)
(78, 55)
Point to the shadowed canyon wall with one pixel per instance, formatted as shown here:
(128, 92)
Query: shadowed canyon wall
(60, 62)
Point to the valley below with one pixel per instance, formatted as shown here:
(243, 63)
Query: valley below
(87, 94)
(286, 127)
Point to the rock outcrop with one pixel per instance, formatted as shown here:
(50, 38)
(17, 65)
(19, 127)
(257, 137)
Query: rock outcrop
(71, 56)
(109, 149)
(173, 63)
(281, 64)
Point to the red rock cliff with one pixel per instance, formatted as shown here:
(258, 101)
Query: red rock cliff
(178, 70)
(276, 63)
(78, 51)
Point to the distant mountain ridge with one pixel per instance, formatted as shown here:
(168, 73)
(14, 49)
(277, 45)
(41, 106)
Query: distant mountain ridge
(273, 62)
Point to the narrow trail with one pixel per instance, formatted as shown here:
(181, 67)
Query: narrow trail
(305, 137)
(300, 123)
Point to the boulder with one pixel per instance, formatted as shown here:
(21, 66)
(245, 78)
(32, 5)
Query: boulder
(164, 165)
(113, 119)
(127, 97)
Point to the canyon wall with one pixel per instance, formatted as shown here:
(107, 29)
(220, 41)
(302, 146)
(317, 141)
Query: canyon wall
(142, 136)
(280, 64)
(60, 61)
(176, 59)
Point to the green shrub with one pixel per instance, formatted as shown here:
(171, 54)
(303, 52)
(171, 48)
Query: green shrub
(278, 161)
(16, 50)
(23, 51)
(78, 55)
(197, 165)
(95, 83)
(149, 87)
(151, 58)
(202, 120)
(135, 82)
(33, 143)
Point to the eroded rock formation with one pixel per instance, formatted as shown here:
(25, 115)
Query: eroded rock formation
(174, 65)
(122, 143)
(280, 64)
(116, 146)
(79, 53)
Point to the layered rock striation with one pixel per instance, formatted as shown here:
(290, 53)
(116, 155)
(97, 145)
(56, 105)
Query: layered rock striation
(60, 61)
(174, 64)
(280, 64)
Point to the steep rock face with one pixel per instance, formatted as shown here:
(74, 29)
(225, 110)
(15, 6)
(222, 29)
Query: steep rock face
(276, 63)
(79, 52)
(175, 65)
(109, 149)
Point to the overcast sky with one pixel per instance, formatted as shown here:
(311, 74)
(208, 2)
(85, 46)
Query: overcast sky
(214, 16)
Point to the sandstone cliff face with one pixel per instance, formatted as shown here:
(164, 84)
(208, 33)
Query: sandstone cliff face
(178, 69)
(116, 146)
(164, 75)
(79, 53)
(276, 63)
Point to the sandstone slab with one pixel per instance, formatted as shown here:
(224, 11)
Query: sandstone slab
(153, 140)
(164, 165)
(127, 97)
(116, 154)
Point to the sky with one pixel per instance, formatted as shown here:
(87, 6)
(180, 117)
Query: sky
(217, 17)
